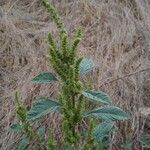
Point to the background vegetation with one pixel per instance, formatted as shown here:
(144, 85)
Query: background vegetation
(116, 37)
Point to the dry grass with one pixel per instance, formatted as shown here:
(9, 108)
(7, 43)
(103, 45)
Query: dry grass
(116, 36)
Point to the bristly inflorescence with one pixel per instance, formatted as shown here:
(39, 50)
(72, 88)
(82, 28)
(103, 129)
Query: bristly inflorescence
(66, 63)
(63, 58)
(55, 16)
(22, 115)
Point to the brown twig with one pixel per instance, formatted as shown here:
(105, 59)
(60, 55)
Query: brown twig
(125, 76)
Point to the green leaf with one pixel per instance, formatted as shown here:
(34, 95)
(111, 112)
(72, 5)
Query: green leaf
(42, 107)
(97, 96)
(86, 66)
(16, 127)
(102, 130)
(108, 113)
(45, 77)
(23, 143)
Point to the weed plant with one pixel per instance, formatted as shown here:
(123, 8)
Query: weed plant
(72, 100)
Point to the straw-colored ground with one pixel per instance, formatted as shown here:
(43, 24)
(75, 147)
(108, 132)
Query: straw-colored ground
(116, 37)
